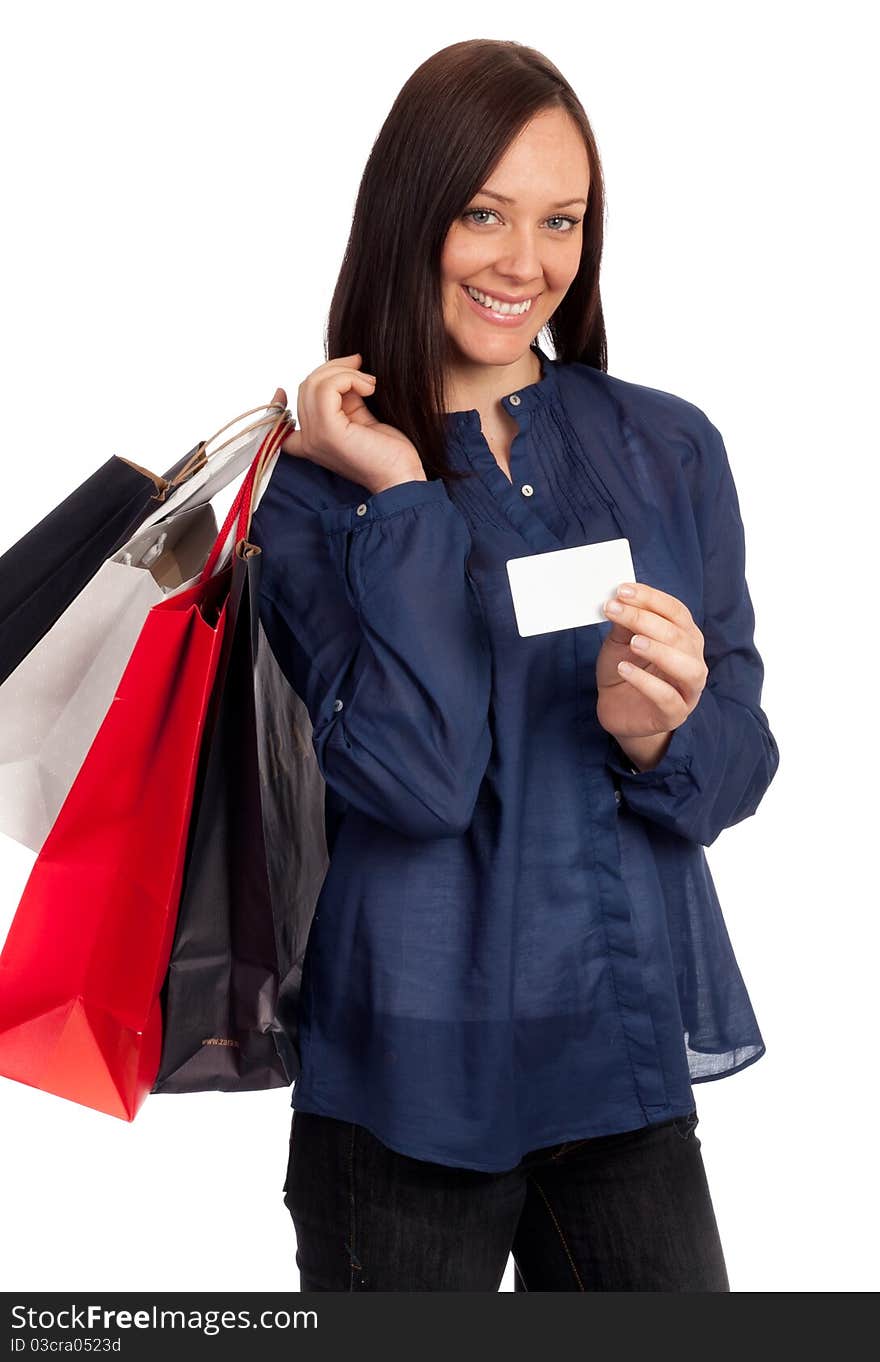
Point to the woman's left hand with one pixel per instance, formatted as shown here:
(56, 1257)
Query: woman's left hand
(668, 675)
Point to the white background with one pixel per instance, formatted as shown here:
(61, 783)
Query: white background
(178, 183)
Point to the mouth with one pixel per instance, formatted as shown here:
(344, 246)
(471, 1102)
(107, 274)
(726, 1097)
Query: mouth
(496, 311)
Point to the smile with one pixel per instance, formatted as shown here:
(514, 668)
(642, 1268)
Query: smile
(493, 309)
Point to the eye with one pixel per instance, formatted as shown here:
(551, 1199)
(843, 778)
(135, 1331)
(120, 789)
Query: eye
(573, 222)
(470, 212)
(557, 217)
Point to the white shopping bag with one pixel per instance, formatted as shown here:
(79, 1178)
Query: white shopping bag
(54, 702)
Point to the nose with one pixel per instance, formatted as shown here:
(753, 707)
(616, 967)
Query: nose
(521, 261)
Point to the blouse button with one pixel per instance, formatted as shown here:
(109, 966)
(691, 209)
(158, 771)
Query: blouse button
(515, 399)
(617, 796)
(337, 705)
(362, 509)
(527, 489)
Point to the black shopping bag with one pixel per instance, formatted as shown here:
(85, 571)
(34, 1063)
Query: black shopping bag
(49, 566)
(255, 862)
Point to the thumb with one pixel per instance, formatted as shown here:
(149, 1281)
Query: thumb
(292, 443)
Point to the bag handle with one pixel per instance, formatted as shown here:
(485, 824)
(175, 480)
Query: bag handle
(200, 456)
(240, 510)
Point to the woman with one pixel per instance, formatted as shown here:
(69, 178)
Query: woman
(517, 965)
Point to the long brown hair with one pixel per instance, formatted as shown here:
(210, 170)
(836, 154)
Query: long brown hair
(449, 126)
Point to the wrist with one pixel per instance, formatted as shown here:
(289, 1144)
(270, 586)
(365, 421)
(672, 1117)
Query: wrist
(645, 753)
(394, 480)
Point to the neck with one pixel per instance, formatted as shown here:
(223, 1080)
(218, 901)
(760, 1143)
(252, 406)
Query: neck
(481, 386)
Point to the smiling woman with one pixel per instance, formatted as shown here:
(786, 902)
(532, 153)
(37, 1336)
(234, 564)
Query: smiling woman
(514, 267)
(518, 966)
(507, 276)
(511, 205)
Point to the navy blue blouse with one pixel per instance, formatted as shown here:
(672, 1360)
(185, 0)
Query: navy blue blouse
(518, 940)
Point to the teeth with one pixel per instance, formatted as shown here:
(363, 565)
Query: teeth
(495, 306)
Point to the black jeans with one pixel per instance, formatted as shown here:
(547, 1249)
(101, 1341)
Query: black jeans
(629, 1212)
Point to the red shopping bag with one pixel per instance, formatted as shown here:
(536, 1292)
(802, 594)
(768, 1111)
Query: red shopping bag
(86, 954)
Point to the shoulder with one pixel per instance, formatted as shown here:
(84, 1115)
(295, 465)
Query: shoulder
(667, 413)
(645, 421)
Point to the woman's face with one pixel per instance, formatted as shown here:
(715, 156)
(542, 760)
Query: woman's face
(526, 248)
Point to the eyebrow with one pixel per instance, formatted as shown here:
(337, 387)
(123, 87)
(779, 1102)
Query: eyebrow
(502, 198)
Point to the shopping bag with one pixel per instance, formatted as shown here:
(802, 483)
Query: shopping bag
(292, 793)
(53, 703)
(48, 567)
(88, 948)
(254, 867)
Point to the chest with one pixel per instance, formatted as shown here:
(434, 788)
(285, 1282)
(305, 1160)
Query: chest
(499, 434)
(568, 505)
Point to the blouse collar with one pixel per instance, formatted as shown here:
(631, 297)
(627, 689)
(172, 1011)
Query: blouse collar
(518, 402)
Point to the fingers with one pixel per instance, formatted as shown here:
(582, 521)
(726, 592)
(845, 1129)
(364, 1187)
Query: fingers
(664, 639)
(343, 362)
(688, 672)
(329, 399)
(659, 617)
(668, 700)
(658, 602)
(329, 406)
(339, 390)
(329, 380)
(663, 634)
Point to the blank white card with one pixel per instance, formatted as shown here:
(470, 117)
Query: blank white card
(565, 588)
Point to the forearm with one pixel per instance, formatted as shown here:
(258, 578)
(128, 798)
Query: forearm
(401, 729)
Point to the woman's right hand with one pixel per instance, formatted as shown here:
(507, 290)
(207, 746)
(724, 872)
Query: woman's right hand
(338, 431)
